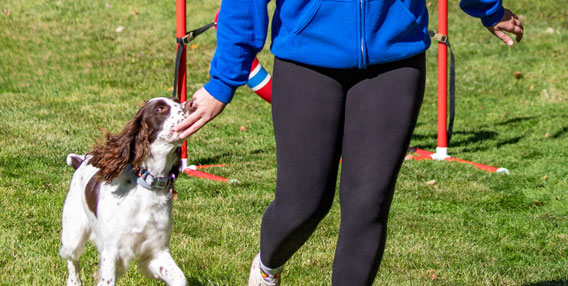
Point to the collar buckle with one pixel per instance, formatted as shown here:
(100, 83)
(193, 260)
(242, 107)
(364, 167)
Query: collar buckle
(161, 183)
(151, 182)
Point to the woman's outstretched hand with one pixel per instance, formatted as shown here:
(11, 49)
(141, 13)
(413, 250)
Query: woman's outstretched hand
(206, 108)
(509, 23)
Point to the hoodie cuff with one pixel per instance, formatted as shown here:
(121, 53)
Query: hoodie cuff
(493, 19)
(219, 90)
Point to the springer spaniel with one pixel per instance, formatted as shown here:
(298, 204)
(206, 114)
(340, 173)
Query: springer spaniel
(120, 197)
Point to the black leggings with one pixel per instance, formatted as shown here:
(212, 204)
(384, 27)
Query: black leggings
(366, 117)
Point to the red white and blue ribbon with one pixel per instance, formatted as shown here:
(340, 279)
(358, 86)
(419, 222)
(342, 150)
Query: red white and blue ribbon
(260, 80)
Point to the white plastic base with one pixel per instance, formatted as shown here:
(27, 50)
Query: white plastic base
(503, 170)
(441, 153)
(183, 164)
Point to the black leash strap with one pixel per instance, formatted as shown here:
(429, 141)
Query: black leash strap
(193, 34)
(444, 40)
(189, 36)
(180, 48)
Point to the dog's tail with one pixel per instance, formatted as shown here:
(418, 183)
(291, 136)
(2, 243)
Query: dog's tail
(75, 160)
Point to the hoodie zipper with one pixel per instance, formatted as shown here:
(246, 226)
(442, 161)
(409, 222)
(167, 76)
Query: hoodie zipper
(362, 62)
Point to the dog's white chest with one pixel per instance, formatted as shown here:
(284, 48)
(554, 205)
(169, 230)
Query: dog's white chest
(139, 219)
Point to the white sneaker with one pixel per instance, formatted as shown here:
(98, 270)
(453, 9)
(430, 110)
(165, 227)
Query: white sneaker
(255, 277)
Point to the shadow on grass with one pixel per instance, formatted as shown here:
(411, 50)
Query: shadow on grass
(515, 120)
(471, 138)
(222, 158)
(560, 133)
(217, 159)
(549, 283)
(194, 282)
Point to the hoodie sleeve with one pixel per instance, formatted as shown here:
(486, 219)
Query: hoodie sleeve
(241, 32)
(490, 11)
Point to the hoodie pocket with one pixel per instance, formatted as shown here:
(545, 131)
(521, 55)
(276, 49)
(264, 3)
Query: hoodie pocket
(328, 36)
(308, 17)
(399, 5)
(392, 31)
(390, 22)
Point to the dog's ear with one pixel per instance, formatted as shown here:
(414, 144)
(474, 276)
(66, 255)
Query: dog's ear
(140, 146)
(115, 152)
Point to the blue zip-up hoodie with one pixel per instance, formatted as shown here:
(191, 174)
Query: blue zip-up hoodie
(326, 33)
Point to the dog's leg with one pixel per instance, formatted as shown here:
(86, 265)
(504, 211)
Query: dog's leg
(74, 234)
(163, 267)
(71, 251)
(74, 278)
(107, 272)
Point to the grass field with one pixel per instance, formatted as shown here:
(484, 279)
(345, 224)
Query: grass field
(66, 73)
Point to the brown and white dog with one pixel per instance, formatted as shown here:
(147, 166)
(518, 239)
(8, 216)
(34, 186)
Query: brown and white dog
(120, 197)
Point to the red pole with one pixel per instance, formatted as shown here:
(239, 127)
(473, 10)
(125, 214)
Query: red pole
(442, 75)
(442, 149)
(182, 76)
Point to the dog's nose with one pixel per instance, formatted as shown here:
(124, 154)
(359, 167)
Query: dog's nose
(188, 106)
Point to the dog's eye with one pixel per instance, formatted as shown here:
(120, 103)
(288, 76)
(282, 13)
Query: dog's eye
(161, 109)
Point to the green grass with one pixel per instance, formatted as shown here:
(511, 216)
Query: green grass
(65, 74)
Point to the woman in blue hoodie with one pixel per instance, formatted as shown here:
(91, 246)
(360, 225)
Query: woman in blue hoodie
(348, 82)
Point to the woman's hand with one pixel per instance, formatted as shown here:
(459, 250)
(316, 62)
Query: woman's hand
(206, 108)
(509, 23)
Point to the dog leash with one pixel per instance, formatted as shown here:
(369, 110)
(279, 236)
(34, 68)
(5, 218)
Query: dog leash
(444, 40)
(182, 42)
